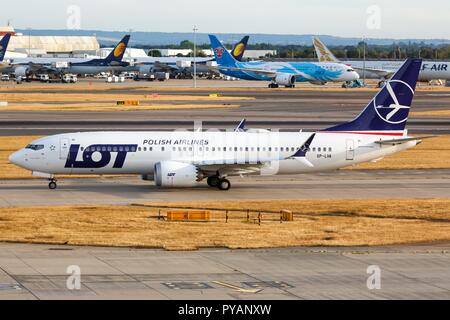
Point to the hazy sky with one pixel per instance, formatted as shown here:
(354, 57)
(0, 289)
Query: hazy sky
(374, 18)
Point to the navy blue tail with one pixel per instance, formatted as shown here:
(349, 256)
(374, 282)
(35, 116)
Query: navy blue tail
(117, 54)
(389, 110)
(4, 46)
(239, 49)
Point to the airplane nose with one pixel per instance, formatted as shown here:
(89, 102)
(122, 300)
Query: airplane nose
(16, 158)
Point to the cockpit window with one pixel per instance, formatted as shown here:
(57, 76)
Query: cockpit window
(350, 70)
(35, 147)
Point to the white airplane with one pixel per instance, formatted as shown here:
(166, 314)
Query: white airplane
(384, 69)
(185, 158)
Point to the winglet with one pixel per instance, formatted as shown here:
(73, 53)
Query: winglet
(241, 126)
(301, 153)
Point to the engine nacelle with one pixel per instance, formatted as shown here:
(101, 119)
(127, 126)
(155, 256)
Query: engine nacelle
(285, 80)
(172, 174)
(22, 72)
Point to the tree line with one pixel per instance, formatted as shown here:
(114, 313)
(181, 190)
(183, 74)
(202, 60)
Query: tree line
(399, 50)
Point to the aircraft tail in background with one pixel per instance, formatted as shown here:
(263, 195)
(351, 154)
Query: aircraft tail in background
(117, 54)
(223, 57)
(4, 46)
(239, 49)
(323, 53)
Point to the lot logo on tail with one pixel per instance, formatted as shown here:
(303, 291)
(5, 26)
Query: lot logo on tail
(391, 103)
(219, 52)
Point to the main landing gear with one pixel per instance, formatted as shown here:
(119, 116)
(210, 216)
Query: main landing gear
(52, 184)
(220, 183)
(273, 85)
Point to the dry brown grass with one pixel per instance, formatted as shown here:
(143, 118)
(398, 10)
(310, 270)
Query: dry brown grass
(110, 106)
(324, 222)
(430, 154)
(107, 102)
(435, 113)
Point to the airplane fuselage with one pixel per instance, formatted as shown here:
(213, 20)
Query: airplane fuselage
(304, 71)
(138, 152)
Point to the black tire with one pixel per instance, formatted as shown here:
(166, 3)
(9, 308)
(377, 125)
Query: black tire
(224, 185)
(213, 181)
(52, 185)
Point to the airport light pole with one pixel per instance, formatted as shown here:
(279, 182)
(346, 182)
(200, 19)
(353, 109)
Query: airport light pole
(195, 56)
(364, 60)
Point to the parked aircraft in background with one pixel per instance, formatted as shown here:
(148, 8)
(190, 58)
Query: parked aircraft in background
(150, 65)
(382, 70)
(3, 47)
(280, 73)
(184, 159)
(24, 67)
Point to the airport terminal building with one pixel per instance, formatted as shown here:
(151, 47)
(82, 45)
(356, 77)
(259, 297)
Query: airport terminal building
(41, 46)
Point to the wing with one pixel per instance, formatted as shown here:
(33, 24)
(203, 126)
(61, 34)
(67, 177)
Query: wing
(237, 167)
(380, 72)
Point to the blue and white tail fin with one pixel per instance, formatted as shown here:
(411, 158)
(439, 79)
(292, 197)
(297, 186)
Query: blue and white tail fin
(223, 57)
(388, 112)
(117, 54)
(4, 46)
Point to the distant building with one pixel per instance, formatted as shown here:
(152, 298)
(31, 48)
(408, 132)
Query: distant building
(49, 45)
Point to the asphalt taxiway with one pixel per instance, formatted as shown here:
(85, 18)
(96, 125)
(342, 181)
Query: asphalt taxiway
(278, 109)
(345, 184)
(406, 272)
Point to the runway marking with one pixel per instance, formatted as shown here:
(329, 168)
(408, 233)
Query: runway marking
(236, 288)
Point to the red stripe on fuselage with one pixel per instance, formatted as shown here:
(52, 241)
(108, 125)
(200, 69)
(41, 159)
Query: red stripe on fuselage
(397, 134)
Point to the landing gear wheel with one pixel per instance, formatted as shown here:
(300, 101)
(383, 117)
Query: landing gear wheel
(273, 85)
(224, 185)
(213, 181)
(52, 185)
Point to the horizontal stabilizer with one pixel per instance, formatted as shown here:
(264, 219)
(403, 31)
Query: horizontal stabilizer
(403, 140)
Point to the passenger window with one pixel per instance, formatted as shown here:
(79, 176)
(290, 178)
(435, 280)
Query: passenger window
(330, 150)
(281, 149)
(109, 149)
(82, 148)
(145, 148)
(163, 149)
(140, 149)
(319, 149)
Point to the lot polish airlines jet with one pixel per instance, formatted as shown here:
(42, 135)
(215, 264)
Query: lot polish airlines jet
(185, 158)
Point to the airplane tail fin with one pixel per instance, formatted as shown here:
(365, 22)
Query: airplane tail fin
(223, 57)
(239, 49)
(388, 111)
(4, 46)
(117, 54)
(323, 53)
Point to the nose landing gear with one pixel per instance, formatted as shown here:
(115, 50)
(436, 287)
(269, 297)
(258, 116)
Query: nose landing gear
(52, 184)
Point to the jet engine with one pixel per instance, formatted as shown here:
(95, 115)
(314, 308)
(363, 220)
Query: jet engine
(172, 174)
(22, 72)
(285, 79)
